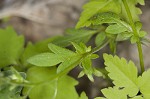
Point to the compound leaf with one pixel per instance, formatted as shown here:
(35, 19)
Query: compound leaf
(123, 74)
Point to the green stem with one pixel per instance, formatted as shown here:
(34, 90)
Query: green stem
(139, 46)
(96, 49)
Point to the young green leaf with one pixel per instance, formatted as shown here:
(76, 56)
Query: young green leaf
(37, 48)
(50, 59)
(59, 50)
(97, 6)
(81, 48)
(133, 39)
(46, 89)
(144, 84)
(122, 73)
(138, 25)
(11, 47)
(69, 62)
(106, 17)
(46, 59)
(109, 17)
(100, 38)
(124, 36)
(142, 34)
(115, 29)
(78, 48)
(88, 69)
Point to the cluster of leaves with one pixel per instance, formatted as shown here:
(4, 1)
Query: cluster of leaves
(39, 71)
(15, 55)
(112, 13)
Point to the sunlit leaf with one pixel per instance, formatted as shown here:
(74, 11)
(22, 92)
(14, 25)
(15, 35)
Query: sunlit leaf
(144, 84)
(123, 74)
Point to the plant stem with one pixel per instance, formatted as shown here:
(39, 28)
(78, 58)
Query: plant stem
(139, 46)
(96, 49)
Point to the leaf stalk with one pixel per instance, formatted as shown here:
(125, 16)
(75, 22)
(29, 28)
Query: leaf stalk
(139, 46)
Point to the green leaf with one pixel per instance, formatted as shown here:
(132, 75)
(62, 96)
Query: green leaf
(50, 59)
(11, 46)
(34, 49)
(124, 36)
(97, 6)
(106, 17)
(46, 59)
(142, 34)
(144, 84)
(133, 39)
(109, 17)
(114, 93)
(100, 38)
(69, 62)
(59, 50)
(83, 96)
(87, 65)
(74, 35)
(123, 74)
(69, 92)
(88, 69)
(81, 48)
(138, 25)
(115, 29)
(50, 89)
